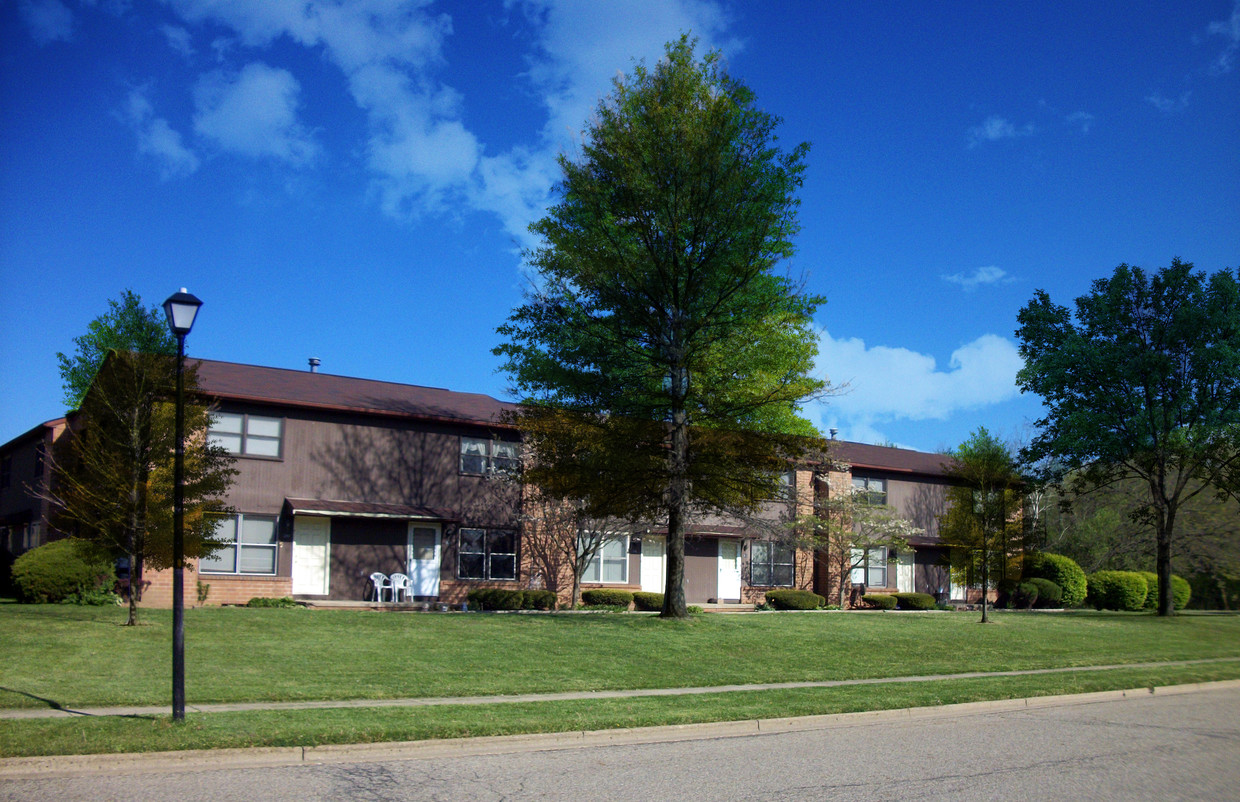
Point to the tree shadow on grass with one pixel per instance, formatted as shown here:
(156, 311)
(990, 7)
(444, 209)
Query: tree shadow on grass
(54, 705)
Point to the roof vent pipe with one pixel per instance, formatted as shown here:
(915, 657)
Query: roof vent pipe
(314, 364)
(834, 432)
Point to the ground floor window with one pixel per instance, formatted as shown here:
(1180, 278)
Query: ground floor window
(250, 546)
(869, 567)
(610, 563)
(771, 564)
(487, 554)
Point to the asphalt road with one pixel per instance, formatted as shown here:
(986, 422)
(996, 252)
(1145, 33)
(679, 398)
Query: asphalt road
(1176, 746)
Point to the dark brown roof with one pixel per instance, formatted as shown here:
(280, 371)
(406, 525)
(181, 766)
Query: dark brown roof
(898, 460)
(301, 388)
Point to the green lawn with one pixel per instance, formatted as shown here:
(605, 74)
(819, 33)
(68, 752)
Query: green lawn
(76, 656)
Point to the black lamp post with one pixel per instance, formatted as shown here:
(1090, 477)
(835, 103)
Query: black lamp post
(181, 308)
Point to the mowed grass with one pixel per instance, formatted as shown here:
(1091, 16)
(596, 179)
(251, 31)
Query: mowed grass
(307, 728)
(82, 656)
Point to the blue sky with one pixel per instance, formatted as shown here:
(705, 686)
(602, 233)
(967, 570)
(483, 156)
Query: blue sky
(353, 180)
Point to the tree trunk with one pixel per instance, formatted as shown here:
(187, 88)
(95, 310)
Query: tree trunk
(135, 588)
(1165, 606)
(677, 508)
(985, 583)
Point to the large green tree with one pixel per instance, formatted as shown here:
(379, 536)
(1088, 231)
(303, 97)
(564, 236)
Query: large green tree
(126, 326)
(658, 323)
(1143, 382)
(982, 519)
(112, 474)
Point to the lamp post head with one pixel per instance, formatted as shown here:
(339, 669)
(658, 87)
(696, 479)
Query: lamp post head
(180, 308)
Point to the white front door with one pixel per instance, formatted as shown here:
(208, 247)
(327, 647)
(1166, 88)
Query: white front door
(311, 555)
(654, 563)
(424, 554)
(729, 570)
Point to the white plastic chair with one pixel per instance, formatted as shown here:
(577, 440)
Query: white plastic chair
(381, 584)
(401, 586)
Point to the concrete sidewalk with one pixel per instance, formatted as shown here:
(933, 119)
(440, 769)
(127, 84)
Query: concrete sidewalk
(217, 759)
(226, 707)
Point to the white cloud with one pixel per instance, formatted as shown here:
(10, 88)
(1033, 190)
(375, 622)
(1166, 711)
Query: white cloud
(1080, 119)
(253, 113)
(47, 20)
(178, 39)
(886, 384)
(1168, 105)
(156, 138)
(994, 128)
(422, 156)
(1229, 29)
(982, 276)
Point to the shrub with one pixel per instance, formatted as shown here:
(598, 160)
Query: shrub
(1049, 594)
(1005, 588)
(1024, 596)
(99, 597)
(59, 569)
(694, 609)
(788, 599)
(272, 601)
(648, 602)
(606, 596)
(883, 601)
(1063, 571)
(538, 600)
(495, 599)
(1117, 590)
(914, 601)
(1181, 591)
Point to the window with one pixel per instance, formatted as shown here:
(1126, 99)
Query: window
(771, 564)
(610, 563)
(787, 485)
(870, 490)
(250, 546)
(869, 567)
(479, 455)
(6, 470)
(248, 435)
(487, 554)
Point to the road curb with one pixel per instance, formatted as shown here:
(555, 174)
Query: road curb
(215, 759)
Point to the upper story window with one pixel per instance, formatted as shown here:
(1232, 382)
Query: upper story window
(247, 435)
(482, 456)
(6, 470)
(870, 490)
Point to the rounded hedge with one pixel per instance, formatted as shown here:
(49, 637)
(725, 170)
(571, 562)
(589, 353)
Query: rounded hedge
(495, 599)
(1061, 570)
(883, 601)
(1117, 590)
(1049, 594)
(914, 601)
(60, 569)
(607, 596)
(648, 602)
(788, 599)
(538, 600)
(1181, 591)
(1024, 595)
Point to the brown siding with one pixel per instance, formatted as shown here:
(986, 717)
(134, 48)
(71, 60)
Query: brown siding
(361, 546)
(921, 501)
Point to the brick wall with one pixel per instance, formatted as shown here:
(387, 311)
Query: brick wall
(221, 589)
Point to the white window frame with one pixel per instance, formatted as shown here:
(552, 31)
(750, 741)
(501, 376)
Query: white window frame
(237, 545)
(871, 489)
(489, 554)
(245, 435)
(769, 563)
(594, 572)
(864, 566)
(494, 456)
